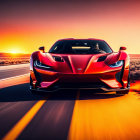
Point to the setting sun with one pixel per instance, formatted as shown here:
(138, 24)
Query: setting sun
(14, 51)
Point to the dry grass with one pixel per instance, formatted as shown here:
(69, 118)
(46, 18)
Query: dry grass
(135, 69)
(13, 60)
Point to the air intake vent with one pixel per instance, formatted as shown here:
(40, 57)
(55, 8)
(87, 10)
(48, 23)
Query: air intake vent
(102, 58)
(58, 59)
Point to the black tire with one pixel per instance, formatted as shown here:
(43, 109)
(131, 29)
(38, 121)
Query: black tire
(122, 92)
(128, 85)
(31, 81)
(32, 90)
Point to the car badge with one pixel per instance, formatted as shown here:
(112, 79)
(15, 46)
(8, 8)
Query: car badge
(79, 69)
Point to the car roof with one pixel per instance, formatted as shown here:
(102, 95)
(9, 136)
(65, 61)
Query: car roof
(80, 39)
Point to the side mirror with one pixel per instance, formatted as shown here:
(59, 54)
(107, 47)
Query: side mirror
(122, 48)
(42, 49)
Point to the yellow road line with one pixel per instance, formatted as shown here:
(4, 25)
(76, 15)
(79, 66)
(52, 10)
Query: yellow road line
(25, 120)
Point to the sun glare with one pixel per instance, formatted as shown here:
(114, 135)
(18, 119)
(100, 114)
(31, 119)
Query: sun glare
(14, 51)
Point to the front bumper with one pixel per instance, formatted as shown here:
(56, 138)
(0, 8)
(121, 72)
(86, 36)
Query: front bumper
(51, 81)
(98, 89)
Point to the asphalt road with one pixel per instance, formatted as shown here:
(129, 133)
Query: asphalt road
(15, 70)
(67, 114)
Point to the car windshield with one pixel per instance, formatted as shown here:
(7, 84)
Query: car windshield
(80, 47)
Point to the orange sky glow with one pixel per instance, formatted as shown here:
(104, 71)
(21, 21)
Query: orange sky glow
(25, 26)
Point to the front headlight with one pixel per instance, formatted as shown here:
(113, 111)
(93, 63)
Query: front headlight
(117, 64)
(40, 65)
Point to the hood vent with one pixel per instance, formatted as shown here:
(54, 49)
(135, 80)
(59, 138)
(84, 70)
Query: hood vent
(58, 58)
(102, 58)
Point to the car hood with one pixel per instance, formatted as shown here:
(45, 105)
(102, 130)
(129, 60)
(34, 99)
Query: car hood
(79, 63)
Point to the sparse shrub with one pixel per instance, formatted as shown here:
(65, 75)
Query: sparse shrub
(13, 60)
(135, 69)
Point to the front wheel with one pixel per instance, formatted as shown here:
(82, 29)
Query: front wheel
(122, 92)
(32, 90)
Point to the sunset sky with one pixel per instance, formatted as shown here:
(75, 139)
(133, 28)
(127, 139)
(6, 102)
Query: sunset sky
(26, 25)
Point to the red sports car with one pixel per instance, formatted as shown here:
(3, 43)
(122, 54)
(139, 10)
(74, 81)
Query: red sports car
(80, 64)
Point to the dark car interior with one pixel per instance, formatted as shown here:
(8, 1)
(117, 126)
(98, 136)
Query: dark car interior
(80, 47)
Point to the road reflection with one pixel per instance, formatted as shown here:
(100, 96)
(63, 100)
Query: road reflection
(107, 118)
